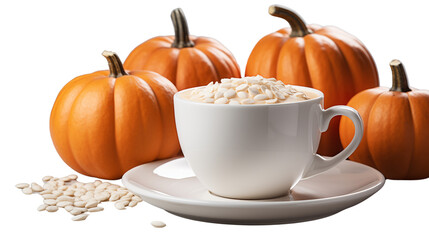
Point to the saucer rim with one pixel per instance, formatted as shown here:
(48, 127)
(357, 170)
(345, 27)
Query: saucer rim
(152, 194)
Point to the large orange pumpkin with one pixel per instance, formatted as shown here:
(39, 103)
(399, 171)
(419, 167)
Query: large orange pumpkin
(325, 58)
(107, 122)
(185, 60)
(396, 129)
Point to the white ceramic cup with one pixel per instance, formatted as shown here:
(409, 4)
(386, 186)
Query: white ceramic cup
(258, 151)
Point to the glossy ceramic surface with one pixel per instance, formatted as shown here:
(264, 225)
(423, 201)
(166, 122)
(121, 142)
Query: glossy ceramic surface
(257, 151)
(171, 185)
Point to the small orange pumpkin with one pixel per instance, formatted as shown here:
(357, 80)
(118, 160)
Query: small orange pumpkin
(396, 128)
(185, 60)
(107, 122)
(325, 58)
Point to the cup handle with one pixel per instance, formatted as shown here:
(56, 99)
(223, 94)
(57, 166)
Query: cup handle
(321, 164)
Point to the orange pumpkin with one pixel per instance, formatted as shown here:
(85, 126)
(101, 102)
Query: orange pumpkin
(396, 129)
(325, 58)
(185, 60)
(107, 122)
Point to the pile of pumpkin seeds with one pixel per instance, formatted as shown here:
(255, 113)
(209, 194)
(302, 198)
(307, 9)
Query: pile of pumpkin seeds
(78, 198)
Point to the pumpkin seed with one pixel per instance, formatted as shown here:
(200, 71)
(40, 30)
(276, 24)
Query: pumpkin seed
(158, 224)
(27, 190)
(96, 209)
(222, 100)
(51, 208)
(80, 217)
(42, 207)
(22, 185)
(64, 203)
(46, 178)
(91, 203)
(229, 94)
(132, 204)
(260, 97)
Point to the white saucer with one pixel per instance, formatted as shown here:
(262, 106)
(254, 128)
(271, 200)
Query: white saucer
(171, 185)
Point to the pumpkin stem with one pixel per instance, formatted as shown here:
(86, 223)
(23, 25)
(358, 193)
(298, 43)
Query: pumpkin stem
(299, 29)
(399, 77)
(115, 64)
(181, 31)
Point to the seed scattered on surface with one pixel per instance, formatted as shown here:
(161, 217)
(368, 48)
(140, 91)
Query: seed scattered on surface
(96, 209)
(27, 190)
(91, 203)
(65, 198)
(22, 185)
(80, 217)
(64, 203)
(50, 202)
(42, 207)
(45, 192)
(120, 205)
(158, 224)
(72, 176)
(49, 196)
(79, 203)
(77, 197)
(51, 208)
(77, 211)
(69, 208)
(103, 196)
(46, 178)
(137, 199)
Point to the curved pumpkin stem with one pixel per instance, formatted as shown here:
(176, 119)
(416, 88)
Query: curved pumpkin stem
(399, 77)
(115, 64)
(181, 31)
(298, 26)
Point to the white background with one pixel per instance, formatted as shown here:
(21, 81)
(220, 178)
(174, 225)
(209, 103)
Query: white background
(45, 44)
